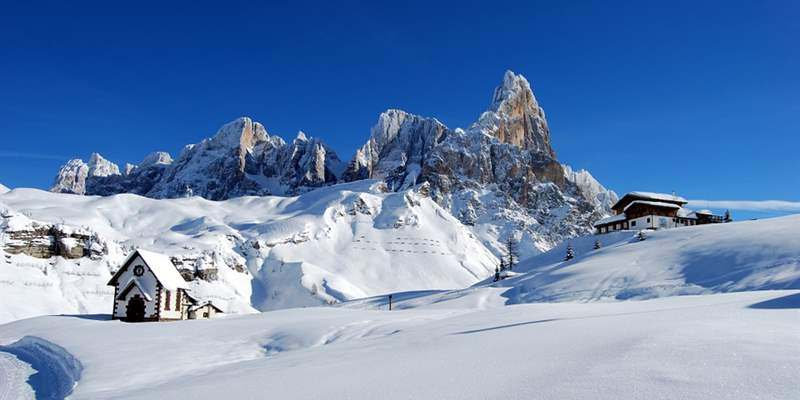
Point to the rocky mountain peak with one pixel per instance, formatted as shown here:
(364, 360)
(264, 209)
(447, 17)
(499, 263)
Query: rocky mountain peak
(156, 157)
(71, 178)
(99, 166)
(398, 145)
(242, 134)
(515, 117)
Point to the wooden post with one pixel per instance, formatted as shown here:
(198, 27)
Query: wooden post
(390, 302)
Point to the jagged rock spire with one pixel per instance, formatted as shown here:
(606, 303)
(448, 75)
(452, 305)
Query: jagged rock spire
(515, 117)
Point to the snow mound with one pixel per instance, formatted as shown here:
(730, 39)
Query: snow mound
(740, 256)
(57, 371)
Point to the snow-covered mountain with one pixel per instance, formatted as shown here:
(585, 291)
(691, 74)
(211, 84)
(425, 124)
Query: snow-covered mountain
(57, 251)
(500, 175)
(3, 188)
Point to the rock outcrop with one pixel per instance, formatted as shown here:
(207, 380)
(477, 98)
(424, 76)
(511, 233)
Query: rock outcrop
(43, 240)
(397, 149)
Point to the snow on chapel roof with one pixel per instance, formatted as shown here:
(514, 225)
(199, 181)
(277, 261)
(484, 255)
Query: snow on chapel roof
(162, 268)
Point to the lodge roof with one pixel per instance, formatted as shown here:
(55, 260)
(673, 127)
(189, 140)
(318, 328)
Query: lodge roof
(652, 203)
(648, 196)
(610, 220)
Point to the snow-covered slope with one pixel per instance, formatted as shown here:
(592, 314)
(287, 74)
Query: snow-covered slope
(740, 345)
(733, 257)
(336, 243)
(739, 256)
(3, 188)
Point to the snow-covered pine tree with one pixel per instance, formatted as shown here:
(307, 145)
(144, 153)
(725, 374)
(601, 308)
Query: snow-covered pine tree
(641, 236)
(496, 274)
(570, 253)
(728, 217)
(597, 244)
(502, 264)
(513, 252)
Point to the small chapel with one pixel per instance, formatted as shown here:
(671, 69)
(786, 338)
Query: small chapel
(148, 287)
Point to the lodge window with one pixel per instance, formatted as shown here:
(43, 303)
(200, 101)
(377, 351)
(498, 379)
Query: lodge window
(168, 299)
(205, 315)
(648, 220)
(633, 223)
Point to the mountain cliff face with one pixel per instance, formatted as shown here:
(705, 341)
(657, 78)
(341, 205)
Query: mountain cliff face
(500, 176)
(241, 159)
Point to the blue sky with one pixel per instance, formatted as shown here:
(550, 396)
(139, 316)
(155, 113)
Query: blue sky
(697, 97)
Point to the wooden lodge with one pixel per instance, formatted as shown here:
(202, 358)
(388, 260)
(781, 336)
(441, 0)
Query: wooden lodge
(148, 287)
(646, 210)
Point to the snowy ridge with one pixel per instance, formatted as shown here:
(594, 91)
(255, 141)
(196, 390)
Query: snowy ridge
(739, 256)
(4, 189)
(250, 253)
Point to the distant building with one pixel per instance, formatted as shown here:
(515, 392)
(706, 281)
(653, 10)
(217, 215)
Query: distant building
(203, 311)
(148, 287)
(646, 210)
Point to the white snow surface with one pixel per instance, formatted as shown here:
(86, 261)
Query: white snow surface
(333, 244)
(737, 256)
(4, 189)
(740, 345)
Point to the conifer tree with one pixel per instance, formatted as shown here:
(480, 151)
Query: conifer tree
(502, 264)
(597, 244)
(728, 217)
(496, 274)
(512, 251)
(641, 236)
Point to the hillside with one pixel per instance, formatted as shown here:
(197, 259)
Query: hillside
(739, 256)
(342, 242)
(705, 259)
